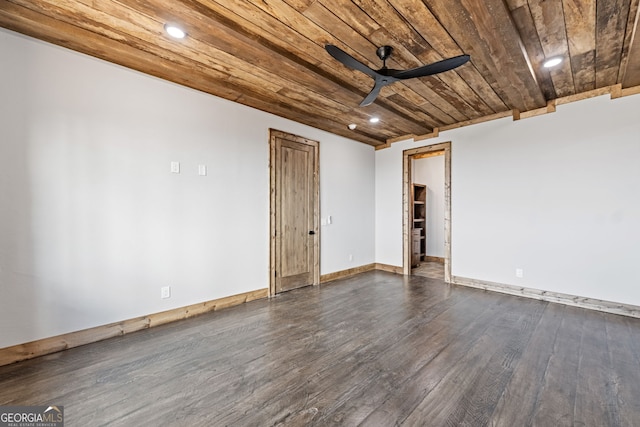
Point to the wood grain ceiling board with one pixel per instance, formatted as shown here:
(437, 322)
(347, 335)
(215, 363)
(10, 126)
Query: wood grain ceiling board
(629, 73)
(521, 14)
(449, 86)
(580, 16)
(344, 28)
(472, 91)
(486, 32)
(426, 24)
(611, 23)
(357, 81)
(632, 76)
(270, 55)
(549, 20)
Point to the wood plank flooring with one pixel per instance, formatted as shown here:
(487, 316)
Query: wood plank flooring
(376, 349)
(430, 269)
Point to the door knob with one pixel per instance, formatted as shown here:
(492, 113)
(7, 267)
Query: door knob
(311, 232)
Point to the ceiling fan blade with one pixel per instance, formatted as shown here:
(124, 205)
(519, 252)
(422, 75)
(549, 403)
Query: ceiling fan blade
(349, 60)
(435, 68)
(372, 95)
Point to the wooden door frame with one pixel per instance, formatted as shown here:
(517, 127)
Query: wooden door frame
(407, 156)
(273, 134)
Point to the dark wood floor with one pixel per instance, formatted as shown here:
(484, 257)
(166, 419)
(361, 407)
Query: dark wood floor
(377, 349)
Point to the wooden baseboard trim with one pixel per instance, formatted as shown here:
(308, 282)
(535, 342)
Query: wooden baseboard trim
(389, 268)
(357, 270)
(556, 297)
(45, 346)
(434, 259)
(346, 273)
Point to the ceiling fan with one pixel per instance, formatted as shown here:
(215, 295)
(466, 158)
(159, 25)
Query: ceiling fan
(385, 76)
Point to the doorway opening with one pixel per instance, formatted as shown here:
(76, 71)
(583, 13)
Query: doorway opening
(414, 227)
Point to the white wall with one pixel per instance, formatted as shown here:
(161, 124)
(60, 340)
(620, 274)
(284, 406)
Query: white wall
(388, 199)
(430, 172)
(347, 195)
(92, 223)
(556, 195)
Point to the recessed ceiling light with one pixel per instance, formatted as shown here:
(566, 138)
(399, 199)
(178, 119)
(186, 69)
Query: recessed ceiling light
(352, 126)
(174, 31)
(374, 119)
(552, 62)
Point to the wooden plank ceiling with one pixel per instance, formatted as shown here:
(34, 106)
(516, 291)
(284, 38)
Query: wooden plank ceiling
(269, 54)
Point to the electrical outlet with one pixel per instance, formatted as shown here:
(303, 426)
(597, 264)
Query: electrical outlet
(175, 167)
(350, 257)
(165, 292)
(519, 272)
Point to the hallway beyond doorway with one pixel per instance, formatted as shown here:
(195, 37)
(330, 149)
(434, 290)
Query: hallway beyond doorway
(432, 270)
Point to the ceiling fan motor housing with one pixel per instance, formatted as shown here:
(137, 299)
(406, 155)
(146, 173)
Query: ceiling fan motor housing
(384, 52)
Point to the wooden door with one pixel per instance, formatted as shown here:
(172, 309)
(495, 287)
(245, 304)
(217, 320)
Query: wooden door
(294, 212)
